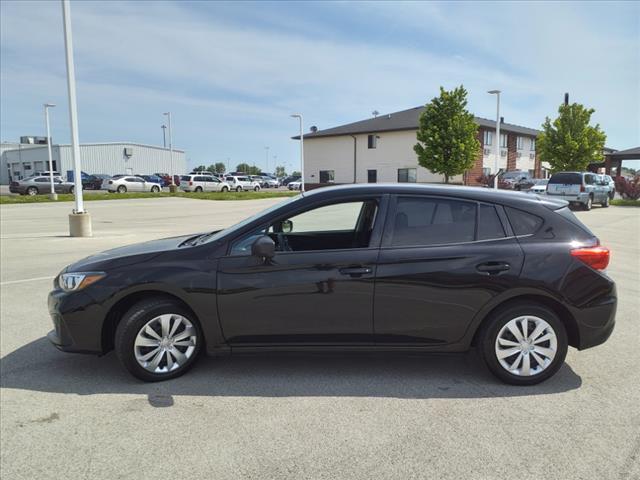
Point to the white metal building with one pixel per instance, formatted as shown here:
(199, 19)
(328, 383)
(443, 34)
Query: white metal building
(22, 160)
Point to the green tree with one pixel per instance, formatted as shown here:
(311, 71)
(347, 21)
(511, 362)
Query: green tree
(296, 174)
(569, 142)
(280, 171)
(200, 168)
(447, 135)
(253, 170)
(243, 167)
(219, 167)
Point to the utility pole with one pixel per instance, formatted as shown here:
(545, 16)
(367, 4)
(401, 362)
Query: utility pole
(172, 185)
(498, 146)
(52, 194)
(299, 117)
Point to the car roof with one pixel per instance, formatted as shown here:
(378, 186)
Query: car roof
(490, 195)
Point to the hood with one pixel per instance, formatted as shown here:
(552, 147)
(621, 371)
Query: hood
(128, 255)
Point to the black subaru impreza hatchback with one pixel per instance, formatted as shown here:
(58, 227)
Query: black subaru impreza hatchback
(368, 267)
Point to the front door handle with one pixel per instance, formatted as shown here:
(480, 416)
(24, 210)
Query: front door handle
(493, 268)
(355, 271)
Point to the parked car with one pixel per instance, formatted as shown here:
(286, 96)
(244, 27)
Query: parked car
(269, 182)
(202, 183)
(579, 188)
(242, 183)
(610, 182)
(131, 183)
(452, 267)
(39, 185)
(285, 181)
(152, 179)
(94, 182)
(539, 186)
(297, 185)
(166, 178)
(516, 180)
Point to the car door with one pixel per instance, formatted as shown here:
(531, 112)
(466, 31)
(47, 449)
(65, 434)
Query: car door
(315, 291)
(441, 260)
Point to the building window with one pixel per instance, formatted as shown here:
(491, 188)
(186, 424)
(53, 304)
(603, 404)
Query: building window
(372, 176)
(327, 176)
(533, 144)
(372, 141)
(486, 171)
(503, 140)
(520, 143)
(26, 167)
(407, 175)
(488, 137)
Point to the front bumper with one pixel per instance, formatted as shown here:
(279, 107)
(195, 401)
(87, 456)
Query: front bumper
(77, 322)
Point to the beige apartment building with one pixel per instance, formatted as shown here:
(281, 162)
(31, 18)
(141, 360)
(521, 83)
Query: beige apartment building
(380, 149)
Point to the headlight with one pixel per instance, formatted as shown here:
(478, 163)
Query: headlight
(71, 282)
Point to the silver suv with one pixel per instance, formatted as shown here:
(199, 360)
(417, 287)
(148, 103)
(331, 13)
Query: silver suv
(581, 188)
(202, 183)
(239, 183)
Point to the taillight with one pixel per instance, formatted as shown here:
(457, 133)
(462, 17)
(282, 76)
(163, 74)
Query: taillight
(595, 257)
(110, 182)
(190, 183)
(582, 188)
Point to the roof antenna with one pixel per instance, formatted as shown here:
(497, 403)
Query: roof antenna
(375, 113)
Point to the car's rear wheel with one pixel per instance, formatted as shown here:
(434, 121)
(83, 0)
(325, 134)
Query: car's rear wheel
(589, 204)
(523, 344)
(31, 191)
(605, 202)
(122, 189)
(224, 189)
(238, 189)
(198, 190)
(256, 188)
(155, 189)
(158, 339)
(72, 189)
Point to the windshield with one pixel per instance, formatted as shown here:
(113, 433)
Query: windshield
(212, 237)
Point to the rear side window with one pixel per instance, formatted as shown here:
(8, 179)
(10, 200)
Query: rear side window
(589, 179)
(199, 179)
(432, 221)
(566, 179)
(523, 223)
(489, 224)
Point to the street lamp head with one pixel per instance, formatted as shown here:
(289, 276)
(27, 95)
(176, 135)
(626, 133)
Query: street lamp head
(47, 105)
(493, 92)
(296, 115)
(167, 113)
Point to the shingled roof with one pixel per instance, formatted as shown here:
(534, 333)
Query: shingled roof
(404, 120)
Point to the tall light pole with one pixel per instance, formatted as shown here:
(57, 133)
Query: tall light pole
(267, 158)
(495, 165)
(299, 117)
(172, 185)
(79, 220)
(164, 136)
(52, 194)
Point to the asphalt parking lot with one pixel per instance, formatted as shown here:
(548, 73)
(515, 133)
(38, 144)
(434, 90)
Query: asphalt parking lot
(67, 416)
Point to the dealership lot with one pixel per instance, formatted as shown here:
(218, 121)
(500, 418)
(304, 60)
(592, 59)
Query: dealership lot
(303, 416)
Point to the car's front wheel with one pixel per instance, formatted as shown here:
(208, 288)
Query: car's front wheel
(238, 189)
(158, 339)
(155, 189)
(524, 344)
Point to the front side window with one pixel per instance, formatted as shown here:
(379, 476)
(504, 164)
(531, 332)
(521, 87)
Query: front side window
(329, 227)
(407, 175)
(327, 176)
(431, 221)
(41, 180)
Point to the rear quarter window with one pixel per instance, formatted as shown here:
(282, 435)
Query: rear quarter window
(489, 224)
(523, 223)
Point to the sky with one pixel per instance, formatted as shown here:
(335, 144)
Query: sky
(232, 73)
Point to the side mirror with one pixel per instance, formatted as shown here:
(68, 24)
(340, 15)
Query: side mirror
(287, 226)
(263, 247)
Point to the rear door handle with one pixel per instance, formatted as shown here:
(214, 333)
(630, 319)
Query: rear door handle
(355, 271)
(493, 268)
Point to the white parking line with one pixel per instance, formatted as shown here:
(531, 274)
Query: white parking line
(11, 282)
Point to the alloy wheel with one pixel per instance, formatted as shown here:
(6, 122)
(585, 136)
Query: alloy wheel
(526, 346)
(165, 343)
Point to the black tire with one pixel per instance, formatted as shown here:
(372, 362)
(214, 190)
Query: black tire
(491, 327)
(72, 189)
(587, 206)
(238, 189)
(32, 191)
(198, 190)
(256, 189)
(155, 189)
(612, 195)
(224, 189)
(122, 189)
(605, 202)
(131, 324)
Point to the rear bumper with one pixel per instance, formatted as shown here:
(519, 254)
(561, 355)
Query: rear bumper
(13, 189)
(597, 321)
(579, 198)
